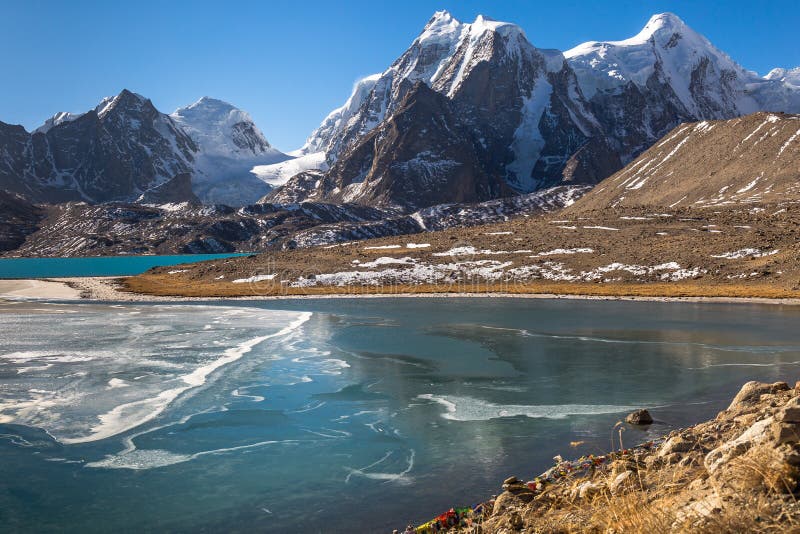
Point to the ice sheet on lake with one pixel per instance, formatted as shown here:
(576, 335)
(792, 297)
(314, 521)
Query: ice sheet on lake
(78, 389)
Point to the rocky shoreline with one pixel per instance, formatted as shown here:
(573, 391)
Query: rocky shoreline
(738, 472)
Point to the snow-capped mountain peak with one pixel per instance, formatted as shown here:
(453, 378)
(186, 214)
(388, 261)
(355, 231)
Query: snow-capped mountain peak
(661, 24)
(703, 79)
(442, 57)
(55, 120)
(221, 129)
(126, 101)
(230, 145)
(787, 76)
(442, 26)
(483, 24)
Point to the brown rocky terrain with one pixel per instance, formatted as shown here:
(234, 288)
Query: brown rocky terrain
(742, 251)
(736, 473)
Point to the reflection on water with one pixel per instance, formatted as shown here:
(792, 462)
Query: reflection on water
(291, 415)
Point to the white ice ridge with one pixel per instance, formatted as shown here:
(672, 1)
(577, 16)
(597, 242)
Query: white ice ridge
(470, 409)
(133, 414)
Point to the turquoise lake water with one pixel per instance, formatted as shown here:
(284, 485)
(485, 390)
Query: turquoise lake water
(341, 415)
(94, 266)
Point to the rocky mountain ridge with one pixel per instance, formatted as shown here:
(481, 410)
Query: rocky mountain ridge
(592, 108)
(168, 225)
(125, 147)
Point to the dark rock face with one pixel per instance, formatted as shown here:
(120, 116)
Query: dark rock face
(18, 219)
(14, 148)
(115, 228)
(80, 229)
(421, 156)
(636, 117)
(442, 217)
(639, 417)
(175, 191)
(302, 186)
(497, 118)
(530, 118)
(115, 152)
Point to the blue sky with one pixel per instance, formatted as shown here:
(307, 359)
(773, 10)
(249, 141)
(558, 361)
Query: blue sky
(290, 62)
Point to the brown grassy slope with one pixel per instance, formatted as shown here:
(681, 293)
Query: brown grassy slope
(752, 159)
(687, 237)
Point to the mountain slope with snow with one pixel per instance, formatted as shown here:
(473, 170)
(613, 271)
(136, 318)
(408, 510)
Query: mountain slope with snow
(746, 161)
(229, 146)
(534, 116)
(126, 150)
(642, 87)
(787, 76)
(116, 151)
(468, 113)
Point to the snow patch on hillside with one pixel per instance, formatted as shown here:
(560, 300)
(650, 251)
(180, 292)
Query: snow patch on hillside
(278, 174)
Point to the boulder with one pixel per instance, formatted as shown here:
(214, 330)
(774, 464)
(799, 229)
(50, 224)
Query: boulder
(504, 502)
(757, 434)
(751, 393)
(790, 413)
(618, 484)
(676, 444)
(785, 433)
(639, 417)
(516, 521)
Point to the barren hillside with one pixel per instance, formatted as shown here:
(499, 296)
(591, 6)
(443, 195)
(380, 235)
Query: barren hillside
(748, 160)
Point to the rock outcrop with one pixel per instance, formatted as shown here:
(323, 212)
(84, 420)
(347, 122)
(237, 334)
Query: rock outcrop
(18, 219)
(736, 473)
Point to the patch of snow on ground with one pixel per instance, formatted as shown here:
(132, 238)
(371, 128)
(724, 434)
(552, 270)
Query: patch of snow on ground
(382, 247)
(472, 251)
(677, 273)
(745, 253)
(387, 260)
(173, 206)
(559, 251)
(750, 186)
(256, 278)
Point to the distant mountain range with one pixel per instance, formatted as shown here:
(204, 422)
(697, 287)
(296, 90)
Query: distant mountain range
(469, 113)
(125, 149)
(474, 111)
